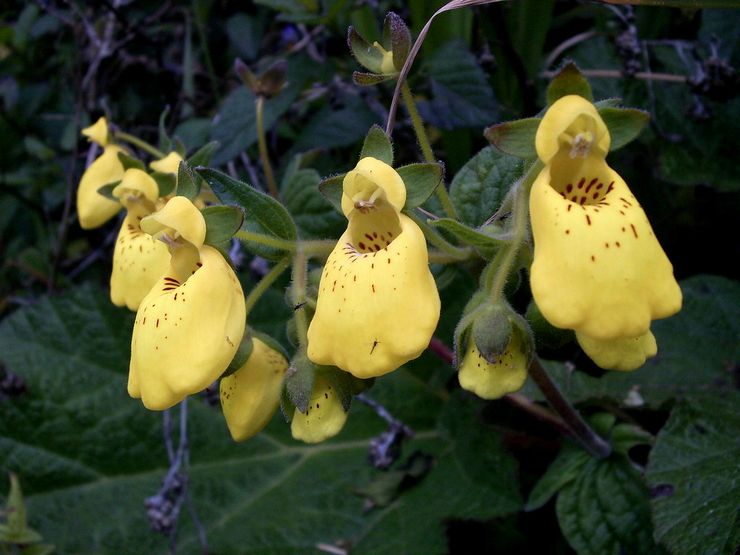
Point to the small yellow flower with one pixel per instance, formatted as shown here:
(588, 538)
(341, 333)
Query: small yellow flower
(598, 268)
(378, 303)
(325, 416)
(139, 260)
(188, 327)
(168, 164)
(494, 380)
(93, 209)
(251, 395)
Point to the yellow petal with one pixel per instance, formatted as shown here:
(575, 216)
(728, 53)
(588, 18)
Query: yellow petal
(178, 218)
(492, 381)
(139, 260)
(137, 191)
(325, 417)
(378, 304)
(187, 328)
(371, 185)
(598, 267)
(97, 132)
(168, 164)
(251, 395)
(386, 65)
(574, 125)
(93, 209)
(619, 354)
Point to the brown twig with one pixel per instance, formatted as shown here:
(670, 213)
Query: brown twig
(617, 74)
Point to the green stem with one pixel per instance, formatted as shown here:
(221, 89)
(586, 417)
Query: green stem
(266, 240)
(264, 284)
(520, 218)
(438, 241)
(578, 427)
(436, 257)
(426, 147)
(318, 248)
(298, 295)
(136, 141)
(259, 107)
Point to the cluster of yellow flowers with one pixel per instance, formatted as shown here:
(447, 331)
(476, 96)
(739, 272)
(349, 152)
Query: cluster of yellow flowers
(598, 269)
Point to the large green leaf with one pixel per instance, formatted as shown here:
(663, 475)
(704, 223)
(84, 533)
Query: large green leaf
(694, 473)
(479, 187)
(90, 455)
(697, 350)
(606, 510)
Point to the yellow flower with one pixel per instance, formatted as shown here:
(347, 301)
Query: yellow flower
(623, 353)
(378, 304)
(598, 268)
(93, 209)
(251, 395)
(139, 260)
(494, 380)
(325, 416)
(188, 327)
(168, 164)
(387, 66)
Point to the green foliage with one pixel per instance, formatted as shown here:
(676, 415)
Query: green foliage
(377, 145)
(694, 476)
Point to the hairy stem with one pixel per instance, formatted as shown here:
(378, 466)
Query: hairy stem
(264, 284)
(298, 295)
(434, 238)
(266, 240)
(259, 107)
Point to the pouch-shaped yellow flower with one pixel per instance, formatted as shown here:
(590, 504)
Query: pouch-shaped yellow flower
(188, 327)
(168, 164)
(494, 380)
(598, 267)
(325, 416)
(623, 353)
(139, 259)
(378, 305)
(251, 395)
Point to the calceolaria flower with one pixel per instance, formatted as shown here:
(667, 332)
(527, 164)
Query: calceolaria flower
(189, 326)
(139, 259)
(251, 395)
(492, 380)
(598, 268)
(93, 209)
(168, 164)
(325, 416)
(378, 304)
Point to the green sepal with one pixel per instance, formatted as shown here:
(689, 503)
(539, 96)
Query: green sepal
(491, 330)
(299, 380)
(421, 181)
(564, 469)
(485, 243)
(364, 79)
(515, 138)
(165, 143)
(396, 38)
(624, 124)
(365, 53)
(188, 184)
(222, 222)
(377, 145)
(107, 190)
(167, 182)
(270, 341)
(179, 146)
(569, 80)
(16, 529)
(129, 162)
(243, 352)
(332, 188)
(202, 156)
(466, 321)
(272, 80)
(342, 382)
(626, 436)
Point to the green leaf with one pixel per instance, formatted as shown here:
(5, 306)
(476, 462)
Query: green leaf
(566, 467)
(377, 145)
(485, 244)
(696, 350)
(569, 80)
(202, 156)
(365, 79)
(461, 93)
(166, 182)
(165, 143)
(90, 455)
(605, 510)
(365, 53)
(479, 187)
(313, 214)
(625, 124)
(694, 475)
(129, 162)
(263, 213)
(107, 190)
(222, 222)
(188, 183)
(332, 188)
(515, 138)
(421, 180)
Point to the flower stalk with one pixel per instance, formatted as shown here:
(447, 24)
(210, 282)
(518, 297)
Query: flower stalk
(139, 143)
(298, 296)
(259, 107)
(264, 284)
